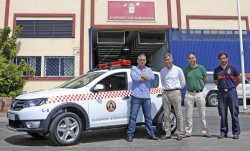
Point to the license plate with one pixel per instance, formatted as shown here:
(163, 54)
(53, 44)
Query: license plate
(11, 116)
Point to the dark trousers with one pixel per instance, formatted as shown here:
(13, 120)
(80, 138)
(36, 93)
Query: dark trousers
(229, 100)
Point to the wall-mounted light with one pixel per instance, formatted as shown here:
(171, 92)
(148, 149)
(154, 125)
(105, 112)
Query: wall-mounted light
(125, 48)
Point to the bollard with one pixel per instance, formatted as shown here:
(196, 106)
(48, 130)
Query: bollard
(2, 105)
(5, 104)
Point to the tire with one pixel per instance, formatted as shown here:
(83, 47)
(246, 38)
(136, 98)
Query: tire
(212, 99)
(160, 126)
(66, 129)
(37, 135)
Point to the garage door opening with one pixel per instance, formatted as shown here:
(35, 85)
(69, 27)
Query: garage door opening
(108, 46)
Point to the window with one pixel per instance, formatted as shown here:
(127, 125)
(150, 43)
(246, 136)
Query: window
(34, 62)
(59, 66)
(45, 28)
(155, 83)
(115, 82)
(210, 78)
(81, 81)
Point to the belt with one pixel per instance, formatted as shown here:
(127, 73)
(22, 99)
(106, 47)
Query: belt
(195, 91)
(172, 89)
(226, 90)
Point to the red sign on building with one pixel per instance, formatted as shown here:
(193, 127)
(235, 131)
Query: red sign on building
(131, 10)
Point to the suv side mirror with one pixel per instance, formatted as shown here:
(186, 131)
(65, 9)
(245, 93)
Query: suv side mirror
(99, 87)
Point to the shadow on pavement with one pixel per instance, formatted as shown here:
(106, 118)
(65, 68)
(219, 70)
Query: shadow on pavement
(87, 137)
(26, 140)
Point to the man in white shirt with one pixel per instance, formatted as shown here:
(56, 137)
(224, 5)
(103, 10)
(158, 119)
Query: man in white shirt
(172, 79)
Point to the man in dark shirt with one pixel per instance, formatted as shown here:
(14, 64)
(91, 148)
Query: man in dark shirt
(227, 78)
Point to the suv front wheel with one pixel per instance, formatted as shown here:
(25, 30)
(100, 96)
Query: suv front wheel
(160, 126)
(66, 129)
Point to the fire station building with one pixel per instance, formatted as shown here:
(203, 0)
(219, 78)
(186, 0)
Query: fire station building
(62, 39)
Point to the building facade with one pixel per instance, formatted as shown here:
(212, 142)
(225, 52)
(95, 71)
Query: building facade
(62, 39)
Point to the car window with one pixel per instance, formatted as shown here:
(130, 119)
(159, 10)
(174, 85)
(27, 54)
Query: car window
(210, 78)
(115, 82)
(246, 81)
(81, 81)
(155, 83)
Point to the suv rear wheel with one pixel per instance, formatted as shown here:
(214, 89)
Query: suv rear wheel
(66, 129)
(160, 126)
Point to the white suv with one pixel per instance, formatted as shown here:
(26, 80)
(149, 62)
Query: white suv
(96, 100)
(210, 90)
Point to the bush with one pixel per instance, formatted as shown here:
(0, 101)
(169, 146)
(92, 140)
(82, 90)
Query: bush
(11, 74)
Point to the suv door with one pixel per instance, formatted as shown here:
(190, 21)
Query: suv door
(113, 102)
(240, 89)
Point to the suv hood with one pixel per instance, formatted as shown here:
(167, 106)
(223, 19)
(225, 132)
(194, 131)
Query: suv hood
(50, 92)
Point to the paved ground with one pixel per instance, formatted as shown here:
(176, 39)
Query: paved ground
(245, 111)
(242, 112)
(113, 139)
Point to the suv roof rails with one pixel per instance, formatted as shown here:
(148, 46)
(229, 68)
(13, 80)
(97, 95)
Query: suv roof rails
(95, 69)
(119, 67)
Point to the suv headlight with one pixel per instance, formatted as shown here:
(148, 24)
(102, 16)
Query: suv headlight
(34, 102)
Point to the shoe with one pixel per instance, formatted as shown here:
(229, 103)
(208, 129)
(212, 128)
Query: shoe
(178, 137)
(164, 137)
(222, 136)
(185, 135)
(236, 137)
(207, 135)
(153, 137)
(129, 138)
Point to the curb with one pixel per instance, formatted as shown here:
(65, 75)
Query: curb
(244, 112)
(3, 117)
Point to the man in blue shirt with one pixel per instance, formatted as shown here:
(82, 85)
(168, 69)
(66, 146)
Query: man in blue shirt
(227, 78)
(141, 78)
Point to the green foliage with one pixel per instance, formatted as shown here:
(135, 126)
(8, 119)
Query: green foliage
(11, 75)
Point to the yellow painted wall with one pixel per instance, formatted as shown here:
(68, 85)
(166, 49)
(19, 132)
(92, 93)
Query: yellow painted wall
(2, 12)
(49, 46)
(41, 85)
(213, 8)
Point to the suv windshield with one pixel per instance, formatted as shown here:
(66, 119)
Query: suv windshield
(81, 81)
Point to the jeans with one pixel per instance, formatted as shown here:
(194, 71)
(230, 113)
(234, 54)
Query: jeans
(136, 103)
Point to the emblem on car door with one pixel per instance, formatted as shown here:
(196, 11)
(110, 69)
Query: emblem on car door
(111, 105)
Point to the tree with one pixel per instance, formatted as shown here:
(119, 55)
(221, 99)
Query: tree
(11, 74)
